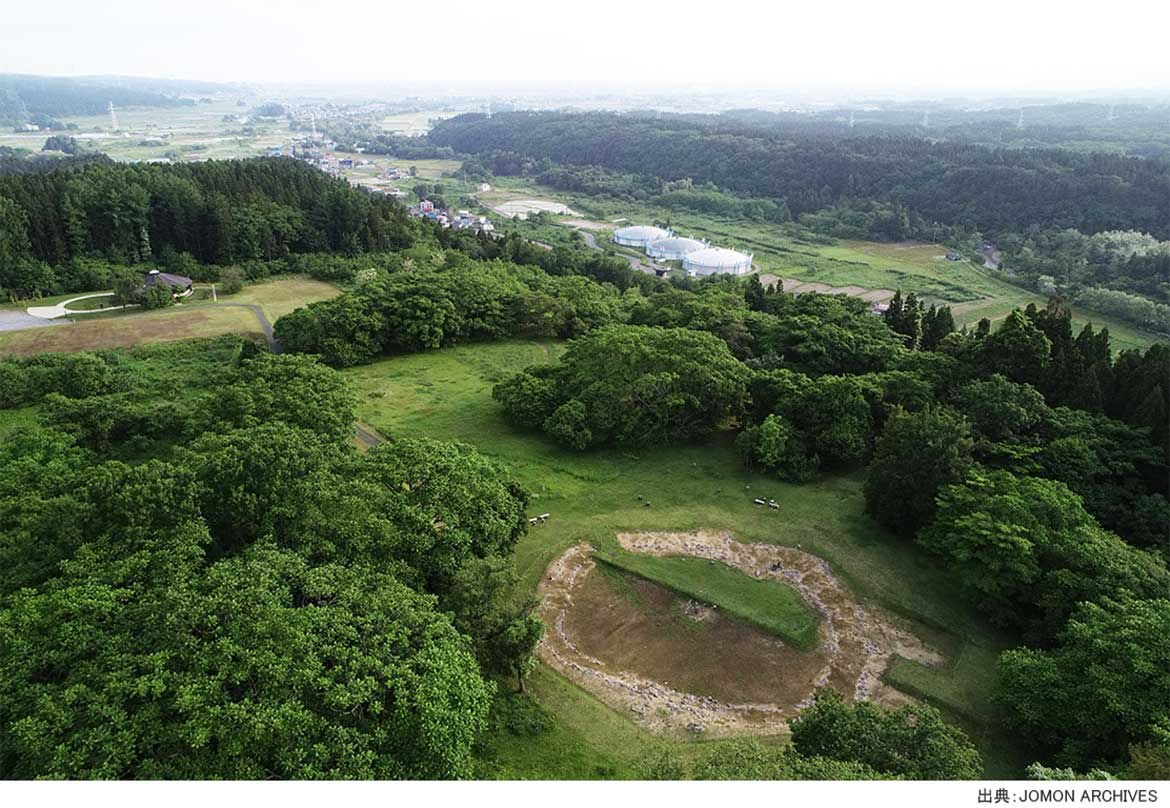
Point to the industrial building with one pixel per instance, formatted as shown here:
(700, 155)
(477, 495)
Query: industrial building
(716, 260)
(639, 235)
(673, 248)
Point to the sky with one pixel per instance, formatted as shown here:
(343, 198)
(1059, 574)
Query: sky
(908, 47)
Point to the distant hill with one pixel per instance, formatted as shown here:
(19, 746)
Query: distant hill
(25, 98)
(170, 87)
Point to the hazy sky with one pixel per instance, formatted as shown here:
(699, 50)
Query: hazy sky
(898, 45)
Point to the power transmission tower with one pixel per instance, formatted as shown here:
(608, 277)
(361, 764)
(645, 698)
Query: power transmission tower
(113, 118)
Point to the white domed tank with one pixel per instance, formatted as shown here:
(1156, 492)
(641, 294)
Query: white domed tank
(673, 248)
(638, 235)
(717, 260)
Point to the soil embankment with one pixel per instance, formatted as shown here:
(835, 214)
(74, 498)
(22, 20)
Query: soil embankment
(630, 672)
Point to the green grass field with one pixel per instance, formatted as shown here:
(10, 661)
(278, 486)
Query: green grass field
(591, 496)
(195, 318)
(12, 418)
(768, 605)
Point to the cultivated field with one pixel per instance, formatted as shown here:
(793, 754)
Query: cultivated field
(594, 496)
(971, 291)
(414, 123)
(197, 132)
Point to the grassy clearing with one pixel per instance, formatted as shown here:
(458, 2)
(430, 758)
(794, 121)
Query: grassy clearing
(585, 740)
(139, 328)
(189, 320)
(15, 418)
(964, 686)
(414, 123)
(591, 496)
(279, 296)
(768, 605)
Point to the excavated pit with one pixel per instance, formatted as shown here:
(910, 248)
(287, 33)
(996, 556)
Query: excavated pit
(681, 667)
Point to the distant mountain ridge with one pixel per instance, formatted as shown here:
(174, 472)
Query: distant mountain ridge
(24, 98)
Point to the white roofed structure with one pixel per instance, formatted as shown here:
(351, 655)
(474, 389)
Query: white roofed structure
(673, 248)
(639, 235)
(717, 260)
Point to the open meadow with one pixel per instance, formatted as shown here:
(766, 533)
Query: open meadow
(591, 497)
(197, 318)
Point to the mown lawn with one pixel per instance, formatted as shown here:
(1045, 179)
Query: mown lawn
(281, 295)
(591, 496)
(769, 605)
(195, 318)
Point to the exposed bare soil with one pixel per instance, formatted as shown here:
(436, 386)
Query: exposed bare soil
(676, 684)
(634, 625)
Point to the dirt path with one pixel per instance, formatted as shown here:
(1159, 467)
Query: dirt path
(858, 643)
(368, 437)
(265, 326)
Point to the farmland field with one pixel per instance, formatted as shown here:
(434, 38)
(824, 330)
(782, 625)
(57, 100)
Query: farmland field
(971, 291)
(592, 496)
(197, 132)
(414, 123)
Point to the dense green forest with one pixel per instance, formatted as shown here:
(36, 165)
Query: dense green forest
(966, 436)
(1136, 128)
(24, 161)
(1083, 225)
(980, 188)
(219, 213)
(200, 565)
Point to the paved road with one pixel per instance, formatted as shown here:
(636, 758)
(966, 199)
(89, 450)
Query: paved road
(591, 241)
(62, 308)
(19, 320)
(265, 326)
